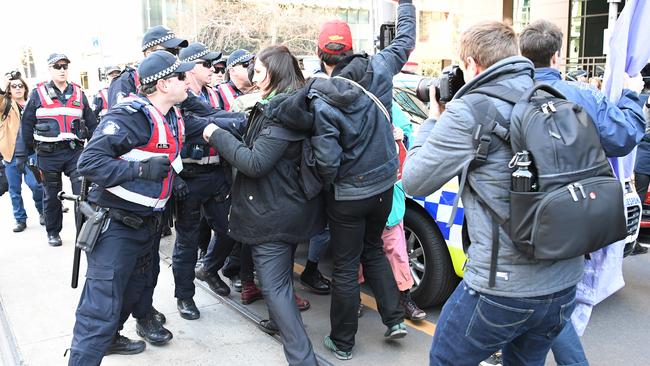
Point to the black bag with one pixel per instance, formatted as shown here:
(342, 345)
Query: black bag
(4, 183)
(578, 205)
(309, 180)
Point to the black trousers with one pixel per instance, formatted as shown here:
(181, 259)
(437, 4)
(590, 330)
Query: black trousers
(52, 164)
(641, 181)
(355, 229)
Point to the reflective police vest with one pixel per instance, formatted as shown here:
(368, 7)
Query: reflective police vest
(104, 95)
(228, 94)
(166, 140)
(214, 98)
(54, 118)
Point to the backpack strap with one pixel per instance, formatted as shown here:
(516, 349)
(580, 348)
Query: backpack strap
(374, 98)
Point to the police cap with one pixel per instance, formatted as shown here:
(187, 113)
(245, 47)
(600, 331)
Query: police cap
(160, 64)
(196, 51)
(56, 57)
(238, 57)
(160, 35)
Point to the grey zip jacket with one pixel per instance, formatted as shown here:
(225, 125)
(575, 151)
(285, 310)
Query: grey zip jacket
(441, 150)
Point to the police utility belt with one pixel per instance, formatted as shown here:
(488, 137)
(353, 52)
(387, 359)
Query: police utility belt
(96, 220)
(198, 154)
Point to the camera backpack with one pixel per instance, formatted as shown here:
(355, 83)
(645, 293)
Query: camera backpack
(577, 206)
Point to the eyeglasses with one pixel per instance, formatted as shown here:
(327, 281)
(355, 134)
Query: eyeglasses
(17, 86)
(206, 64)
(219, 70)
(60, 66)
(179, 75)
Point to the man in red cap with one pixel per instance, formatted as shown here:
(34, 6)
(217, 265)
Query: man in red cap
(355, 151)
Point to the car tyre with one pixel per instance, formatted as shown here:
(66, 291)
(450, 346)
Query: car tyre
(425, 245)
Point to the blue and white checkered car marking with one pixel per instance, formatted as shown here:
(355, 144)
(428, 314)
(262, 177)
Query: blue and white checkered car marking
(439, 206)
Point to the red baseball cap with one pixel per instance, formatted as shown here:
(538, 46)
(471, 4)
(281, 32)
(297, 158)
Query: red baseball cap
(335, 31)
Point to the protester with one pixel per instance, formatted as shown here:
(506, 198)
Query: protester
(14, 153)
(269, 212)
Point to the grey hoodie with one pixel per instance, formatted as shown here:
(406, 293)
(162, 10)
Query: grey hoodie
(441, 150)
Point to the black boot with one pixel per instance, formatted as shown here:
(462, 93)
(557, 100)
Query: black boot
(314, 280)
(187, 308)
(125, 346)
(152, 331)
(160, 317)
(215, 282)
(20, 226)
(639, 249)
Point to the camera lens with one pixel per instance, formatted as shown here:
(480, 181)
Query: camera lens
(422, 91)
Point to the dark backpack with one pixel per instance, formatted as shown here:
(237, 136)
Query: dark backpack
(578, 205)
(309, 180)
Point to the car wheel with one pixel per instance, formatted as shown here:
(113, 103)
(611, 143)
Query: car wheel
(431, 266)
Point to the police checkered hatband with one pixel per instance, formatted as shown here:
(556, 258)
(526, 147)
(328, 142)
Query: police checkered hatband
(161, 74)
(197, 56)
(158, 41)
(238, 60)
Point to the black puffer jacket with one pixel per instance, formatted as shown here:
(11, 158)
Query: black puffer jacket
(267, 202)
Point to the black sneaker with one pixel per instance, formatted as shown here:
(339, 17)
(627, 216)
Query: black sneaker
(638, 249)
(494, 360)
(41, 219)
(54, 240)
(268, 326)
(125, 346)
(187, 308)
(19, 227)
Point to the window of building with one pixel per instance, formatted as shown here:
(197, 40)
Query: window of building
(353, 16)
(521, 16)
(364, 16)
(152, 12)
(426, 23)
(343, 14)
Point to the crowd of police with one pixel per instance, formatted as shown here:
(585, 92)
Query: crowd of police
(248, 159)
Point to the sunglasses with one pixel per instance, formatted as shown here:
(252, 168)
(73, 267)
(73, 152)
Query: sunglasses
(60, 66)
(219, 70)
(17, 86)
(245, 64)
(179, 75)
(206, 64)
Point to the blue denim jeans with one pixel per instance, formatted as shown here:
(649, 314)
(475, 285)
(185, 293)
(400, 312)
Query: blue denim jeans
(318, 244)
(567, 349)
(15, 180)
(472, 326)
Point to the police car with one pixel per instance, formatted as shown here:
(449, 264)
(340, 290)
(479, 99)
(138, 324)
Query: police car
(436, 251)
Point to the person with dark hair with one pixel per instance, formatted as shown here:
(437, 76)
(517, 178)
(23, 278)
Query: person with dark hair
(356, 157)
(132, 161)
(56, 121)
(13, 152)
(270, 212)
(620, 126)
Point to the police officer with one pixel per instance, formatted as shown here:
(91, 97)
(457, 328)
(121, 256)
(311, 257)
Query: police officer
(132, 160)
(100, 103)
(155, 38)
(201, 189)
(128, 82)
(237, 81)
(56, 121)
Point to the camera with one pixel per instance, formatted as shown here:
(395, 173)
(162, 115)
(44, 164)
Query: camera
(446, 85)
(13, 75)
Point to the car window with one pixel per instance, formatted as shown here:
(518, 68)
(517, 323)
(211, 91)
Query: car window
(410, 105)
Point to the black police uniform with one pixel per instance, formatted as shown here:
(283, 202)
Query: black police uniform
(57, 151)
(120, 268)
(125, 84)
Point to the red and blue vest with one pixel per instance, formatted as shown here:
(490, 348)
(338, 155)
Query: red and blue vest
(166, 140)
(228, 95)
(58, 116)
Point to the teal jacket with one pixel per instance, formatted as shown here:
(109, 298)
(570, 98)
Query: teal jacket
(401, 120)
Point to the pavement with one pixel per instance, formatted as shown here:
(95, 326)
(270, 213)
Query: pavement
(37, 309)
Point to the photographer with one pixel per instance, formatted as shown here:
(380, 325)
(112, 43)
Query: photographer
(13, 151)
(529, 302)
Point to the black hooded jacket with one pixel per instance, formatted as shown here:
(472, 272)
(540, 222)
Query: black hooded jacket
(267, 201)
